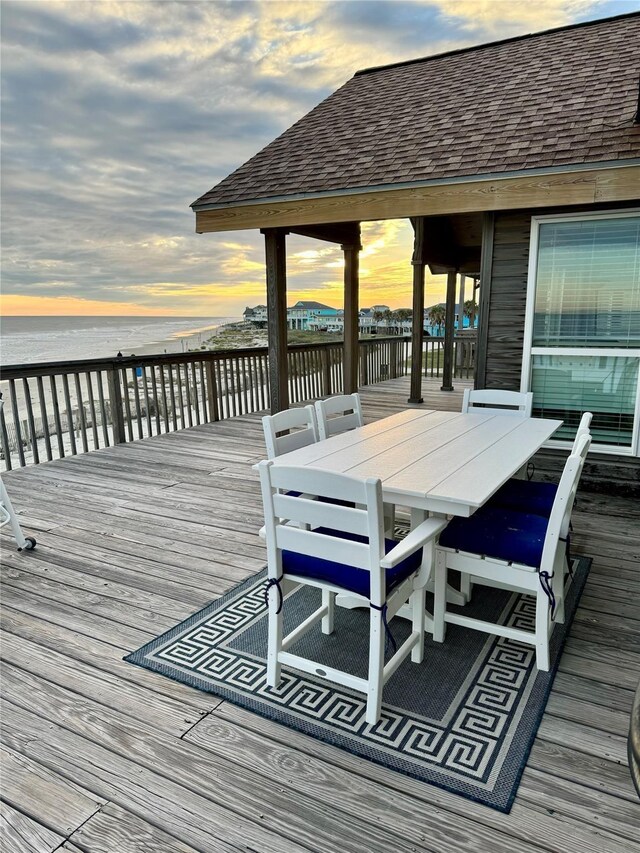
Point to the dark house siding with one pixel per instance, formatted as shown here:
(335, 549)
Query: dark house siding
(502, 316)
(508, 296)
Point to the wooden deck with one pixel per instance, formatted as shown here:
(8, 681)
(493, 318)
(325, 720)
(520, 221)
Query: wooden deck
(103, 757)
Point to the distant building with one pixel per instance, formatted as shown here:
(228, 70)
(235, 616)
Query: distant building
(307, 316)
(257, 316)
(436, 330)
(318, 317)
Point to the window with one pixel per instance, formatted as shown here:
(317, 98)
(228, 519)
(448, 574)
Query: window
(582, 338)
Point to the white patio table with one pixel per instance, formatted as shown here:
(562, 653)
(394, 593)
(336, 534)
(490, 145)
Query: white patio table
(432, 461)
(442, 462)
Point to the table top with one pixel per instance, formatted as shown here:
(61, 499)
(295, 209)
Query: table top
(439, 461)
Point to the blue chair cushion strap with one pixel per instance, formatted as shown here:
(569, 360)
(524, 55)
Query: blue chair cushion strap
(525, 496)
(516, 537)
(347, 577)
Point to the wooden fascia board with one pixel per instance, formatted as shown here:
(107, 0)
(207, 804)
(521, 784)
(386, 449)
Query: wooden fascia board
(585, 186)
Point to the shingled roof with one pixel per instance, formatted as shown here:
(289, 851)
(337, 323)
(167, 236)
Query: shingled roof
(558, 98)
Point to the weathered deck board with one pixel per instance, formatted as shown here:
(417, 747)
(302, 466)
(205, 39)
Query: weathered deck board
(21, 834)
(134, 538)
(38, 791)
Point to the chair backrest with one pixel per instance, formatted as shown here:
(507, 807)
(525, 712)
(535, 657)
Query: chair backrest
(498, 402)
(560, 517)
(277, 435)
(365, 518)
(583, 429)
(338, 414)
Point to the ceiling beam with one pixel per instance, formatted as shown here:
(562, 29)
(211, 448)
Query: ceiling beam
(343, 233)
(587, 186)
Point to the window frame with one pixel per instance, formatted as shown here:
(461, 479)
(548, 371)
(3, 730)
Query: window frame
(529, 350)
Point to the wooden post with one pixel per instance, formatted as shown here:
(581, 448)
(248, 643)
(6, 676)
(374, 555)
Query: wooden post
(447, 370)
(393, 360)
(364, 365)
(326, 371)
(417, 326)
(274, 239)
(484, 299)
(115, 402)
(460, 346)
(351, 327)
(212, 392)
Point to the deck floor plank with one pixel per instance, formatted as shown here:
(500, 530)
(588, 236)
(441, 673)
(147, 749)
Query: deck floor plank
(134, 538)
(40, 793)
(22, 834)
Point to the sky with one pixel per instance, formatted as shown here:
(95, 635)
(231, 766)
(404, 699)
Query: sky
(117, 115)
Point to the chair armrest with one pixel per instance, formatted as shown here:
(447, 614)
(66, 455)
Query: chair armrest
(417, 538)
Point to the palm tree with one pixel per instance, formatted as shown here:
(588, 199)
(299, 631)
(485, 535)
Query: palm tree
(436, 316)
(470, 311)
(403, 314)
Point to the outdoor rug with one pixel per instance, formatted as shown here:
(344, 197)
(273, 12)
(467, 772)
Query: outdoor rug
(465, 719)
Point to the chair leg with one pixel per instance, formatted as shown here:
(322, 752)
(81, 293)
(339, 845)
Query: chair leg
(328, 600)
(543, 624)
(376, 667)
(440, 597)
(389, 520)
(557, 584)
(418, 607)
(274, 643)
(466, 586)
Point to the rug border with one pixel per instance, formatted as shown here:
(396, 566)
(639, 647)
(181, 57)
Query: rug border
(137, 658)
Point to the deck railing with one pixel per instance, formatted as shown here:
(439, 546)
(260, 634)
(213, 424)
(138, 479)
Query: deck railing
(58, 409)
(464, 355)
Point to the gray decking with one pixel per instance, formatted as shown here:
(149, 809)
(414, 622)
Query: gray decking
(103, 757)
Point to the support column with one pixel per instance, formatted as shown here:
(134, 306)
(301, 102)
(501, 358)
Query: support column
(417, 325)
(274, 240)
(350, 360)
(461, 303)
(447, 370)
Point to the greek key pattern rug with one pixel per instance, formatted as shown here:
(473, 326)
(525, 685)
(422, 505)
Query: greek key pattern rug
(464, 719)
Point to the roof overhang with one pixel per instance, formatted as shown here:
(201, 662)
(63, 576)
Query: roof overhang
(564, 185)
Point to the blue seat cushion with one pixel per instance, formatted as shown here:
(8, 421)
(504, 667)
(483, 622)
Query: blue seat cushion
(347, 577)
(525, 496)
(517, 537)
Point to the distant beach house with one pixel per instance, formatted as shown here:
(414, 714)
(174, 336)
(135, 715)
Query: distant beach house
(306, 316)
(257, 316)
(309, 316)
(517, 164)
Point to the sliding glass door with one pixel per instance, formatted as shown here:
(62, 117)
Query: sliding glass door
(582, 339)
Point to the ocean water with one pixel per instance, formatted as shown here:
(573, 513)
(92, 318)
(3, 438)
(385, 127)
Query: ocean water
(29, 339)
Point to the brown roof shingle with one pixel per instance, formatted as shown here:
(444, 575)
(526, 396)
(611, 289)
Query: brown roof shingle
(566, 96)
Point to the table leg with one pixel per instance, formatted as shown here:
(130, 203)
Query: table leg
(454, 596)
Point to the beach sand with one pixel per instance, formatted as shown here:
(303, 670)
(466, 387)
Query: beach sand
(180, 343)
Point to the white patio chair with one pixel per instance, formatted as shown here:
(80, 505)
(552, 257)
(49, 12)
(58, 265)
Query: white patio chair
(8, 515)
(513, 550)
(498, 402)
(277, 430)
(341, 414)
(535, 496)
(338, 550)
(338, 414)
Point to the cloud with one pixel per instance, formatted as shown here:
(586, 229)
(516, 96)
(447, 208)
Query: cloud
(116, 115)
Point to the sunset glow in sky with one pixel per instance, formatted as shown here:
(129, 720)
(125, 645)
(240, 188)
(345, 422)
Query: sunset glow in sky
(117, 115)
